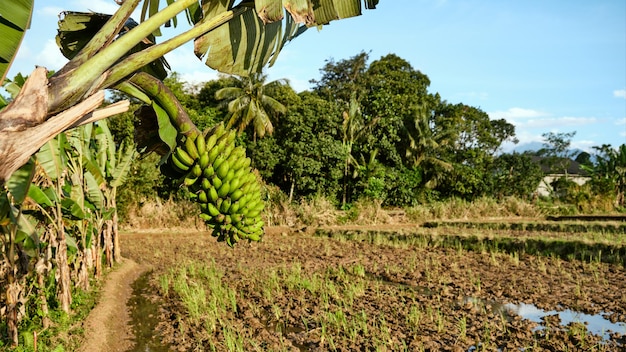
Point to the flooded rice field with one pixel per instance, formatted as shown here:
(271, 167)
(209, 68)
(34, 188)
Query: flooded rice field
(417, 289)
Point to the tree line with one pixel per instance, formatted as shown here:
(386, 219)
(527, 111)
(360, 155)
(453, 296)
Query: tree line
(368, 129)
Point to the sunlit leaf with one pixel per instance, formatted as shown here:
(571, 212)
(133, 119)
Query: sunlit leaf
(71, 207)
(39, 196)
(255, 37)
(20, 180)
(94, 193)
(52, 157)
(167, 131)
(15, 18)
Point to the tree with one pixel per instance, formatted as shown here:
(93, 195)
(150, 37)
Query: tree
(515, 175)
(311, 152)
(353, 129)
(473, 142)
(609, 172)
(556, 150)
(247, 103)
(424, 146)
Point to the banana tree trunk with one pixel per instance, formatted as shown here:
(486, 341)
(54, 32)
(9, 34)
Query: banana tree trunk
(117, 255)
(44, 300)
(108, 242)
(64, 294)
(13, 290)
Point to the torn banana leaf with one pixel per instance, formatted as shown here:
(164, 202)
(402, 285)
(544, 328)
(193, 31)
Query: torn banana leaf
(254, 38)
(77, 28)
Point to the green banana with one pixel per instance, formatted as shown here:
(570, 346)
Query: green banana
(183, 156)
(213, 196)
(213, 153)
(208, 172)
(210, 142)
(223, 190)
(202, 197)
(203, 161)
(212, 210)
(189, 181)
(222, 170)
(225, 206)
(190, 148)
(178, 165)
(218, 161)
(196, 170)
(200, 145)
(229, 175)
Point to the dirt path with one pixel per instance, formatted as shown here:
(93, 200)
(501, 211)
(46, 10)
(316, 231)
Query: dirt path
(107, 327)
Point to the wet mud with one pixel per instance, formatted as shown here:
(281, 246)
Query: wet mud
(307, 292)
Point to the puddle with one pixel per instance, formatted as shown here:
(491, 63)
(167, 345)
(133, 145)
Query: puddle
(144, 318)
(594, 323)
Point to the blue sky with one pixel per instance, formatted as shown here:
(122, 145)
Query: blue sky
(545, 66)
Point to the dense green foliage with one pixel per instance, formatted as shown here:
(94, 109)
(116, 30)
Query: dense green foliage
(367, 130)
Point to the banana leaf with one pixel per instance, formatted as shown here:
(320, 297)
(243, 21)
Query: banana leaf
(39, 196)
(167, 131)
(73, 209)
(125, 157)
(19, 182)
(93, 191)
(52, 157)
(15, 16)
(254, 38)
(77, 28)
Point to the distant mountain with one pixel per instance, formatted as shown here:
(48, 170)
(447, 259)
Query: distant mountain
(535, 146)
(530, 146)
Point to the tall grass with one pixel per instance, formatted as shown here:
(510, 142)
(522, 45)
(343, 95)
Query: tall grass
(322, 211)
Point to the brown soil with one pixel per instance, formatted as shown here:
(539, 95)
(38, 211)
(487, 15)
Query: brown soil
(377, 295)
(107, 326)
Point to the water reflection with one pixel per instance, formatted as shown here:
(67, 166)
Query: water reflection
(595, 323)
(144, 318)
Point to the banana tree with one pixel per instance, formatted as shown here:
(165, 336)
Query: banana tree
(232, 37)
(14, 230)
(50, 197)
(110, 167)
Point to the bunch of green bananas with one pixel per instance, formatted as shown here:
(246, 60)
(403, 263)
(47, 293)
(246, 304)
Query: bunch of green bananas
(219, 177)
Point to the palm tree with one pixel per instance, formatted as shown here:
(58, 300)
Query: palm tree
(247, 104)
(423, 145)
(353, 128)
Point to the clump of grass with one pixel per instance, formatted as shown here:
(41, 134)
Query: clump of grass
(203, 294)
(164, 214)
(456, 209)
(317, 211)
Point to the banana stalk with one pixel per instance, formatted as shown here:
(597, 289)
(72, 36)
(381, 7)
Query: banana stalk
(71, 85)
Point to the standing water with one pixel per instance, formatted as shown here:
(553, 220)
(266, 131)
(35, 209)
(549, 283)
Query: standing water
(144, 318)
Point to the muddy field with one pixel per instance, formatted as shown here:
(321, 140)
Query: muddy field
(381, 291)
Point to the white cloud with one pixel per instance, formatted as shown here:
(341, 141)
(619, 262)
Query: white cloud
(517, 113)
(585, 145)
(620, 93)
(50, 56)
(198, 77)
(557, 122)
(621, 121)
